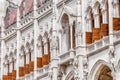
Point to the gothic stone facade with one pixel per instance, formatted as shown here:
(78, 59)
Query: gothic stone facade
(61, 40)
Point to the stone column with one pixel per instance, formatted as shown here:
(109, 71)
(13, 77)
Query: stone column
(96, 18)
(110, 23)
(54, 43)
(5, 70)
(45, 42)
(36, 27)
(89, 23)
(5, 65)
(111, 46)
(14, 63)
(105, 14)
(81, 47)
(32, 55)
(18, 45)
(27, 56)
(3, 47)
(79, 24)
(71, 35)
(116, 13)
(40, 50)
(10, 65)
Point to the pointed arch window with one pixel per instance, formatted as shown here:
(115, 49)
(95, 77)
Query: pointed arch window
(29, 55)
(100, 16)
(92, 19)
(13, 63)
(73, 35)
(65, 37)
(24, 58)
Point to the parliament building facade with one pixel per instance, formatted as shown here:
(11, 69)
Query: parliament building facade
(60, 40)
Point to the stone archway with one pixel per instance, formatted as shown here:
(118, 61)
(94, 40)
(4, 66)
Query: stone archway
(101, 70)
(104, 73)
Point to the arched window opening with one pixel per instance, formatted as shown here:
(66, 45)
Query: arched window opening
(107, 12)
(49, 53)
(92, 19)
(40, 53)
(13, 63)
(104, 24)
(46, 55)
(91, 26)
(8, 65)
(100, 15)
(104, 73)
(30, 59)
(24, 59)
(42, 47)
(73, 35)
(65, 33)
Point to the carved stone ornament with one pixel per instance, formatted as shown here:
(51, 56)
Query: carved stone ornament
(112, 51)
(76, 76)
(75, 63)
(85, 62)
(54, 43)
(112, 60)
(60, 74)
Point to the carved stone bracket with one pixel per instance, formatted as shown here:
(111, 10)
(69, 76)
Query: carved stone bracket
(85, 63)
(112, 52)
(75, 64)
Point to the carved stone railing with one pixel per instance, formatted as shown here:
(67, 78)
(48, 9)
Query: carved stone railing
(98, 44)
(22, 78)
(116, 36)
(43, 71)
(28, 76)
(67, 56)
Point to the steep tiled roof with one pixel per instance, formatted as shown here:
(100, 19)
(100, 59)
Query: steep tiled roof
(25, 6)
(6, 20)
(13, 15)
(21, 8)
(28, 6)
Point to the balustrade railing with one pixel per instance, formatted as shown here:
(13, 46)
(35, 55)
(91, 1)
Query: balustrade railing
(98, 44)
(67, 56)
(43, 70)
(116, 36)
